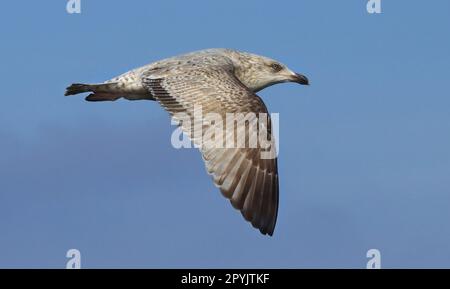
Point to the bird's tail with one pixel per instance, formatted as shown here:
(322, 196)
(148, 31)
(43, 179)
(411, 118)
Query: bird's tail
(101, 92)
(77, 88)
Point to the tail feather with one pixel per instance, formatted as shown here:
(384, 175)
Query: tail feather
(77, 88)
(102, 97)
(101, 92)
(109, 91)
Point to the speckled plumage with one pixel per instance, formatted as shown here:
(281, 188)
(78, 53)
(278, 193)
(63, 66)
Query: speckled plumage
(220, 81)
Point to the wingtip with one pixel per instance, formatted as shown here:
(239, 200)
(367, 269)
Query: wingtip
(266, 231)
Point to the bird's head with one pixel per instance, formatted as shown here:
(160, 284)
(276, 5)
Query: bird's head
(258, 72)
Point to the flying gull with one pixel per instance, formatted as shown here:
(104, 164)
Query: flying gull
(220, 81)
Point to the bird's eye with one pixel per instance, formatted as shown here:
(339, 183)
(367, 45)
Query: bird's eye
(276, 67)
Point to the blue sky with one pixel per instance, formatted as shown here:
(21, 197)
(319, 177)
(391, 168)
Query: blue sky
(364, 151)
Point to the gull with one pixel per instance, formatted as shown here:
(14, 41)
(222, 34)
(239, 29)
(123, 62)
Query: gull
(221, 81)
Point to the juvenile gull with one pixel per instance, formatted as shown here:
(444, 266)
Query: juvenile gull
(220, 81)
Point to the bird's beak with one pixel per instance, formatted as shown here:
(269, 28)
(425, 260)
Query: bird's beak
(300, 79)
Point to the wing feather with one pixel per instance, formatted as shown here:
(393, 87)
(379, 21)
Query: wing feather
(247, 180)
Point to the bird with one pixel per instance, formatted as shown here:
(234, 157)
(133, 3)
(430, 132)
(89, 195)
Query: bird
(221, 81)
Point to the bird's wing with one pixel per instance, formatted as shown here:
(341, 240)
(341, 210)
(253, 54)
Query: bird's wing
(247, 180)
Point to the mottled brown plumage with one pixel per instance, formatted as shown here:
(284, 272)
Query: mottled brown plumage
(220, 81)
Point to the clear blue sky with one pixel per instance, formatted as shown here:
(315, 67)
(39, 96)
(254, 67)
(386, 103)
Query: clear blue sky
(364, 151)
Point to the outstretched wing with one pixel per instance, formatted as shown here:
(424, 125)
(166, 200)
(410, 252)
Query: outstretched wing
(247, 179)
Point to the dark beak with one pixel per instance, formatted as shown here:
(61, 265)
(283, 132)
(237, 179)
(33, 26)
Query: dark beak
(300, 79)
